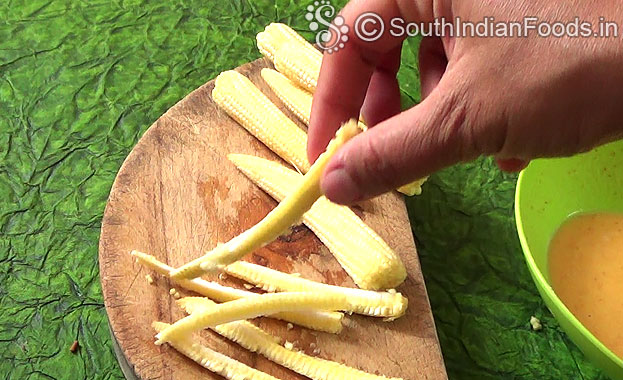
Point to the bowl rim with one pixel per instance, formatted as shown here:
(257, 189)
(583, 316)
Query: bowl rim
(546, 287)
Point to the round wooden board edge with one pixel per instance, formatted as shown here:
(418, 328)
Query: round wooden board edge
(124, 363)
(126, 367)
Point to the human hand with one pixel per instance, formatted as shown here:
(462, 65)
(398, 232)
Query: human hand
(513, 98)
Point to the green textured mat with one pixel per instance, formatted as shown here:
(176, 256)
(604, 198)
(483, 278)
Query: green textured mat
(80, 83)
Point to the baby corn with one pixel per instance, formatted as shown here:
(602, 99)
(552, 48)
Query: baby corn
(212, 360)
(390, 305)
(296, 99)
(276, 35)
(300, 65)
(363, 254)
(287, 213)
(252, 307)
(245, 103)
(328, 321)
(300, 62)
(257, 340)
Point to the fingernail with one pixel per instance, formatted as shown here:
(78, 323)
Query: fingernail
(339, 186)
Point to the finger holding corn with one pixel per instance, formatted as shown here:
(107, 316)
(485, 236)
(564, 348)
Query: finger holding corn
(363, 254)
(300, 62)
(286, 214)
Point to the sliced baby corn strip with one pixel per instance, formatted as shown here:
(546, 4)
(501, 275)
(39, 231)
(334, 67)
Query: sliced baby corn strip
(390, 305)
(251, 307)
(328, 321)
(362, 253)
(212, 360)
(257, 340)
(245, 103)
(288, 212)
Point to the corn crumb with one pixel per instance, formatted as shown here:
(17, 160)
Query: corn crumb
(289, 345)
(348, 322)
(150, 280)
(172, 291)
(290, 326)
(248, 286)
(222, 276)
(536, 323)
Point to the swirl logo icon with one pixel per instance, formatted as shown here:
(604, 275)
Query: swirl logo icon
(335, 36)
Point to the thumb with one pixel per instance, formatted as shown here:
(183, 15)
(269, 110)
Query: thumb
(430, 136)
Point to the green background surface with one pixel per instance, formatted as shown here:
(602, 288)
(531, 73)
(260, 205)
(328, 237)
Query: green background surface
(80, 82)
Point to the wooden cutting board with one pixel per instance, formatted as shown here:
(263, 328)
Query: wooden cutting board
(176, 196)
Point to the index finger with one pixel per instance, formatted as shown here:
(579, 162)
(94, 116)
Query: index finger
(345, 74)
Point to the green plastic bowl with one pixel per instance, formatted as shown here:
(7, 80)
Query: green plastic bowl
(548, 192)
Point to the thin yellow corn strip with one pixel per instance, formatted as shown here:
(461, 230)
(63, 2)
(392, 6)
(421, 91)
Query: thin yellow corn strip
(390, 305)
(300, 62)
(212, 360)
(245, 103)
(257, 340)
(327, 321)
(288, 212)
(252, 307)
(362, 253)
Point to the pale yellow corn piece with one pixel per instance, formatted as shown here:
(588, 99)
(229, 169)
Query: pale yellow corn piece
(252, 307)
(364, 255)
(266, 45)
(299, 102)
(245, 103)
(390, 305)
(413, 188)
(291, 64)
(300, 65)
(212, 360)
(295, 98)
(288, 212)
(275, 35)
(327, 321)
(257, 340)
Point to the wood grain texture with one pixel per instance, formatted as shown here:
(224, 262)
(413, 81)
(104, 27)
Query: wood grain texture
(176, 196)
